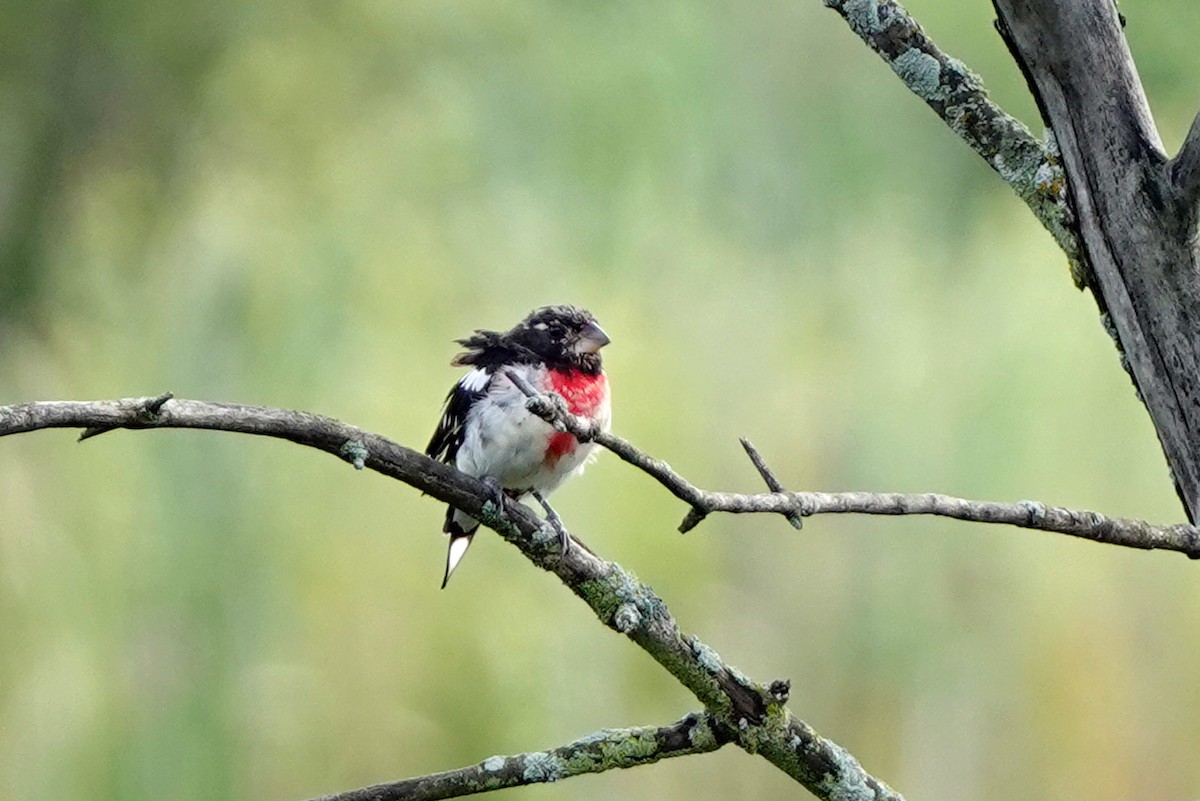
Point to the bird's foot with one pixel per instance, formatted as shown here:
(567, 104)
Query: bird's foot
(496, 492)
(564, 539)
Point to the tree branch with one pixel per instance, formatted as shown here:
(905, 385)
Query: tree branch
(607, 749)
(1185, 167)
(1093, 526)
(1126, 218)
(755, 714)
(1136, 227)
(1031, 167)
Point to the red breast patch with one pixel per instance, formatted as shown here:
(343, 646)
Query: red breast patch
(584, 394)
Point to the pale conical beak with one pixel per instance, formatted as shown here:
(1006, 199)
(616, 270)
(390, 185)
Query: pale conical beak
(591, 339)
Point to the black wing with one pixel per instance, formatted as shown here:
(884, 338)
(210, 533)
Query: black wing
(448, 437)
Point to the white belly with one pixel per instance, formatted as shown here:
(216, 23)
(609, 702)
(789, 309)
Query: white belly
(502, 439)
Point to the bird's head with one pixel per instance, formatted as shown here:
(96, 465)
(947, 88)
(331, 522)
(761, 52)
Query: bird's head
(562, 336)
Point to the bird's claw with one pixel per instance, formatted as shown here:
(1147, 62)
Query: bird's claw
(496, 492)
(564, 538)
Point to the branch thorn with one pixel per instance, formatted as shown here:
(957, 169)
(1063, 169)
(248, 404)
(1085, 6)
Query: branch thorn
(154, 405)
(692, 519)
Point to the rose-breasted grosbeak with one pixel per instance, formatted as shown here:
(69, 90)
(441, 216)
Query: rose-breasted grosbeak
(487, 432)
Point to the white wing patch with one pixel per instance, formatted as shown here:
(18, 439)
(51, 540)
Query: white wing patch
(475, 380)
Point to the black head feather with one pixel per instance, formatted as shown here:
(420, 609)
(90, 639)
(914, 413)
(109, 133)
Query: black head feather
(566, 337)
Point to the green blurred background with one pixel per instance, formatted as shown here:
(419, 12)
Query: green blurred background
(301, 204)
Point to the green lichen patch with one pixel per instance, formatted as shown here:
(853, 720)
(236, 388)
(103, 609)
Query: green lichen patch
(612, 748)
(706, 656)
(702, 736)
(544, 535)
(848, 782)
(619, 589)
(922, 74)
(863, 15)
(355, 452)
(627, 618)
(492, 516)
(629, 750)
(543, 768)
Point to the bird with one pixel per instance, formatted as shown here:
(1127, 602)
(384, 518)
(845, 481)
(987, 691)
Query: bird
(487, 432)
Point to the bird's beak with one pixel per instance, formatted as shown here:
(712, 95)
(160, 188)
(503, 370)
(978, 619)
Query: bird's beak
(591, 339)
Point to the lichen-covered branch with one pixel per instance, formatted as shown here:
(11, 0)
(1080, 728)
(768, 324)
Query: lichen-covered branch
(755, 714)
(1126, 217)
(1093, 526)
(957, 95)
(606, 749)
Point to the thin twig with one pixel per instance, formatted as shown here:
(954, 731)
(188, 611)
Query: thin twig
(1127, 532)
(754, 713)
(604, 750)
(768, 476)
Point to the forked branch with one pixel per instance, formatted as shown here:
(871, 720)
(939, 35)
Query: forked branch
(755, 715)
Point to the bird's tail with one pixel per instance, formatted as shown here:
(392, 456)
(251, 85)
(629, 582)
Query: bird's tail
(461, 527)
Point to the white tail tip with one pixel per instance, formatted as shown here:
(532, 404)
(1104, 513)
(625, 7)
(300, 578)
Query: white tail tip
(457, 550)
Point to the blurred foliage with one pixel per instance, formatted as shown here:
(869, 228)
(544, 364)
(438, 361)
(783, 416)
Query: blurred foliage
(301, 204)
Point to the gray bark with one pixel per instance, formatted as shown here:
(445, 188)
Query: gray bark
(1136, 211)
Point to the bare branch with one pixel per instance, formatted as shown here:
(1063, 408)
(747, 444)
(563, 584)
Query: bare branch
(1185, 167)
(1024, 514)
(957, 95)
(604, 750)
(756, 714)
